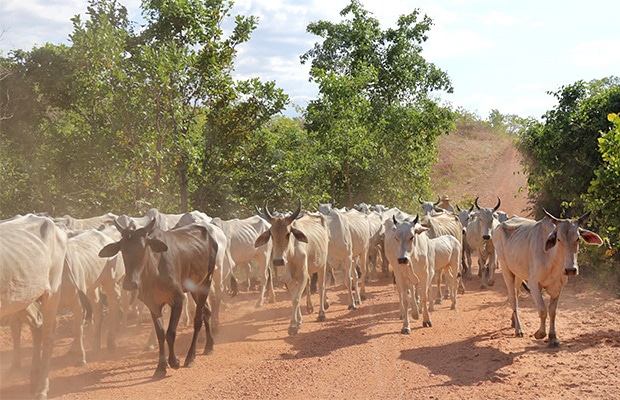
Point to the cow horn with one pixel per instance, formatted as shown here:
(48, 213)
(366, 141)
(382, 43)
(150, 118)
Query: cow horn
(499, 202)
(120, 228)
(417, 218)
(438, 200)
(458, 208)
(583, 218)
(476, 203)
(551, 217)
(267, 213)
(296, 212)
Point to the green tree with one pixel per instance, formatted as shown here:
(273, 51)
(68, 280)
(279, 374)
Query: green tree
(561, 153)
(375, 121)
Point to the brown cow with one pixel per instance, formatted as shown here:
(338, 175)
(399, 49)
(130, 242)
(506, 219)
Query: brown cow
(162, 265)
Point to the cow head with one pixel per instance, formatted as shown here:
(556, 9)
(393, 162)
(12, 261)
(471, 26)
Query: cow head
(280, 234)
(133, 245)
(564, 238)
(428, 207)
(405, 234)
(487, 218)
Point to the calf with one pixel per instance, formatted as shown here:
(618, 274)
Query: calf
(161, 266)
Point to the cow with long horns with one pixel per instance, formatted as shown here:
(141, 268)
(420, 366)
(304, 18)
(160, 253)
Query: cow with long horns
(300, 244)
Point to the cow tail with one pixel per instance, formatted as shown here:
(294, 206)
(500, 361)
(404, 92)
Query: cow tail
(213, 248)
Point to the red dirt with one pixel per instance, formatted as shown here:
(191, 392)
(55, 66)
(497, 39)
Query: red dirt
(470, 352)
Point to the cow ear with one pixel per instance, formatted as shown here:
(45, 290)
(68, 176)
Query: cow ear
(110, 250)
(590, 237)
(299, 235)
(551, 240)
(263, 238)
(157, 245)
(420, 229)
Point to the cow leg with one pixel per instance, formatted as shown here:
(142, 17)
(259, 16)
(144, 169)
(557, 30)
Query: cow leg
(553, 305)
(41, 368)
(15, 325)
(265, 279)
(403, 298)
(198, 320)
(513, 299)
(425, 284)
(160, 372)
(322, 294)
(348, 272)
(296, 319)
(78, 329)
(216, 300)
(536, 292)
(438, 294)
(175, 315)
(114, 299)
(362, 264)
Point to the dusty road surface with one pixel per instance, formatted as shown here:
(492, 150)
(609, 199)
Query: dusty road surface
(468, 353)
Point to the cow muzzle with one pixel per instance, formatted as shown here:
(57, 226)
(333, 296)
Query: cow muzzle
(403, 260)
(572, 271)
(130, 284)
(486, 237)
(278, 262)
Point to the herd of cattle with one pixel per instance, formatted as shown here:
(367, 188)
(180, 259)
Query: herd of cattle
(47, 264)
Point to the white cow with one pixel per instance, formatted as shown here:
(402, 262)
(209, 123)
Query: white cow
(241, 234)
(407, 250)
(463, 215)
(300, 245)
(91, 273)
(545, 254)
(447, 250)
(340, 251)
(32, 254)
(480, 227)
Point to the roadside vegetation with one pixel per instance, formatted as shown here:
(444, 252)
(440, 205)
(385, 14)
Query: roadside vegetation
(126, 119)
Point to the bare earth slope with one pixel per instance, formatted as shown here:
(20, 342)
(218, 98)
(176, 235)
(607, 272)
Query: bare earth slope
(468, 353)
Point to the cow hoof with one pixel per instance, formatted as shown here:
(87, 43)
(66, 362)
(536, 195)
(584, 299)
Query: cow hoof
(540, 334)
(437, 301)
(321, 318)
(160, 373)
(405, 331)
(519, 333)
(483, 286)
(427, 324)
(207, 352)
(80, 364)
(554, 343)
(453, 307)
(292, 331)
(174, 362)
(189, 363)
(491, 283)
(352, 307)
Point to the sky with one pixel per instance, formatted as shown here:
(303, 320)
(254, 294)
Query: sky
(499, 54)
